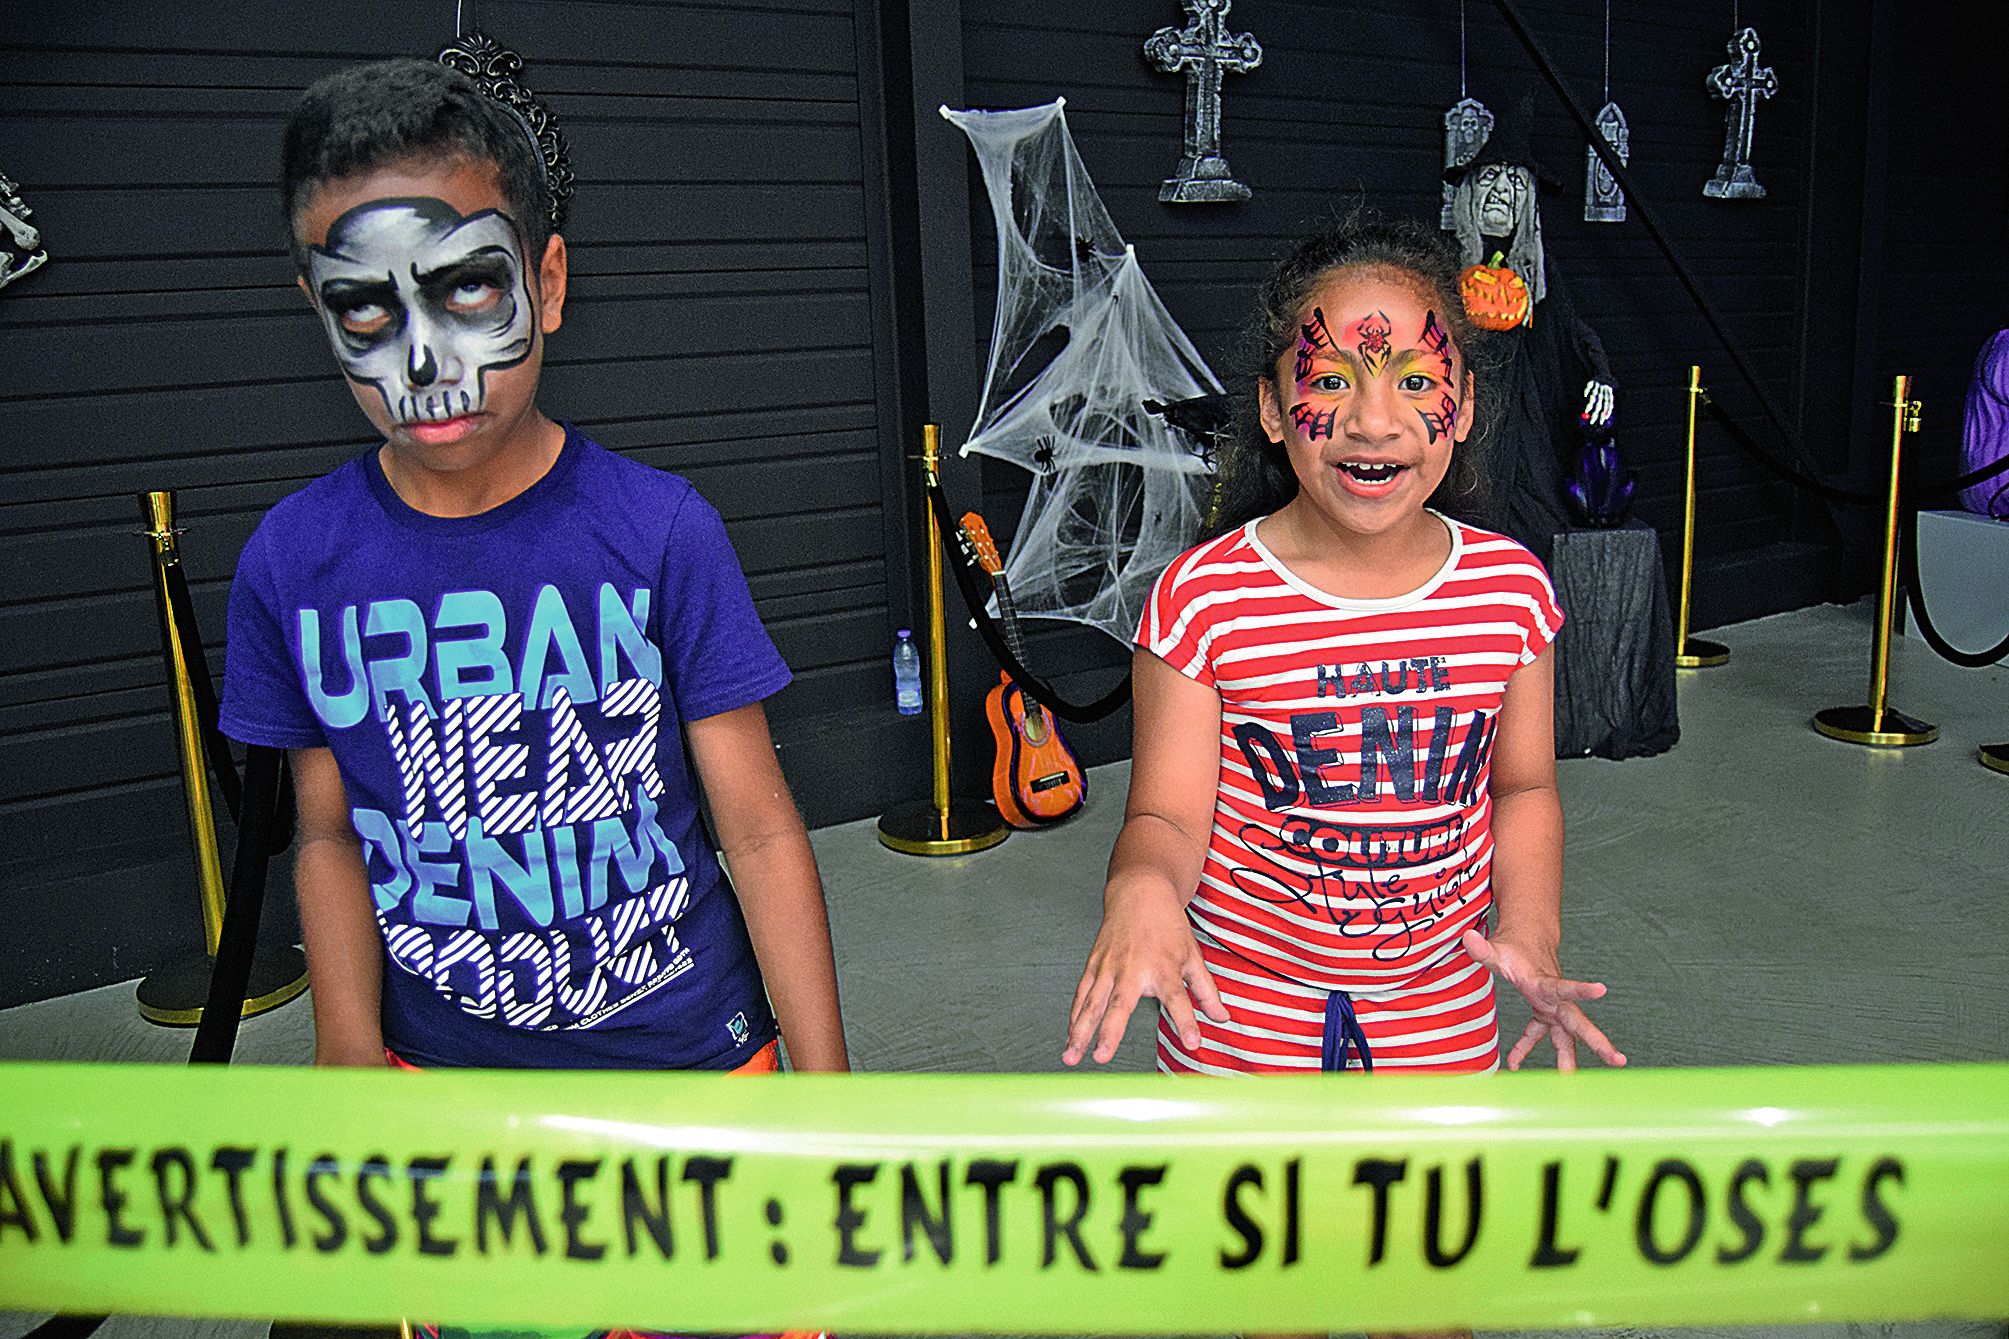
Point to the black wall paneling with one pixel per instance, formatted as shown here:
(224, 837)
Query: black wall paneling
(730, 252)
(1943, 271)
(1348, 105)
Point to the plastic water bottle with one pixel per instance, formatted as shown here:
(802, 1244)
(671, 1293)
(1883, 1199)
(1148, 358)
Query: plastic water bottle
(906, 673)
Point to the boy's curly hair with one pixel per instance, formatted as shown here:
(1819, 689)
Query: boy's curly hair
(1254, 477)
(367, 116)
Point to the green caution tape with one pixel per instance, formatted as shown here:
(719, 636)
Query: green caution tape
(1055, 1203)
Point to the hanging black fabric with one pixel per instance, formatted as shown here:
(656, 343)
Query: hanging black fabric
(976, 598)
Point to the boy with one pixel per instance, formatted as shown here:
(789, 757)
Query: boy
(480, 642)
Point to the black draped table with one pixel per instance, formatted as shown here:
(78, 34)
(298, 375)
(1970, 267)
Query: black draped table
(1615, 657)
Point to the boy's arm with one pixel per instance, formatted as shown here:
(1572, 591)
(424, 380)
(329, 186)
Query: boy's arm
(1528, 874)
(345, 957)
(773, 869)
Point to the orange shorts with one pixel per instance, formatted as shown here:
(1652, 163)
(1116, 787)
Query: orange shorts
(767, 1060)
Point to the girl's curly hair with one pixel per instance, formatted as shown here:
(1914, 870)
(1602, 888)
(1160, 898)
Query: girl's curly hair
(1254, 477)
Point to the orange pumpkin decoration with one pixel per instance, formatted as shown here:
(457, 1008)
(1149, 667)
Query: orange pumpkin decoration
(1496, 298)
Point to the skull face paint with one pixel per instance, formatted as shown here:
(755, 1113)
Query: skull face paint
(420, 301)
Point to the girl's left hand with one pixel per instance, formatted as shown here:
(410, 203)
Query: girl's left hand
(1551, 995)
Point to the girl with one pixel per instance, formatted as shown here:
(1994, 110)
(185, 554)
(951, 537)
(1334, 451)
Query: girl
(1344, 752)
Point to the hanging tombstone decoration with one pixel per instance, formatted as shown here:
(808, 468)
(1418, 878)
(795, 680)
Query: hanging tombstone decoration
(21, 249)
(497, 70)
(1204, 51)
(1466, 127)
(1603, 201)
(1740, 83)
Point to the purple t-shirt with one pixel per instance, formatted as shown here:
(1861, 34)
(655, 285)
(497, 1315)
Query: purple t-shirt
(503, 694)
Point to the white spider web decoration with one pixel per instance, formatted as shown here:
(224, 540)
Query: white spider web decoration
(1080, 341)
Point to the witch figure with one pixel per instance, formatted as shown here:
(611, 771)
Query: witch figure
(1553, 464)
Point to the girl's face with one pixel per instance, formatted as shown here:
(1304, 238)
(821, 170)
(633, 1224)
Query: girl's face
(1371, 399)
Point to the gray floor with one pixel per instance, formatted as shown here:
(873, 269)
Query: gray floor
(1759, 895)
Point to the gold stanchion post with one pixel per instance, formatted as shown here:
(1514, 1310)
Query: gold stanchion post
(1878, 724)
(939, 825)
(174, 994)
(1692, 652)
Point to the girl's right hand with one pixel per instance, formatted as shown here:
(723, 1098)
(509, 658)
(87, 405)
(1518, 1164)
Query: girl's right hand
(1145, 950)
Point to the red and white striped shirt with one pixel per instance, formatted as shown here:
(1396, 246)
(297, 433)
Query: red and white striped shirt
(1352, 839)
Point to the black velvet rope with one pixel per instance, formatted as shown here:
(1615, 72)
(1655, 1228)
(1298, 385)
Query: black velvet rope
(976, 597)
(216, 748)
(237, 943)
(1908, 542)
(263, 800)
(66, 1327)
(1960, 482)
(1749, 447)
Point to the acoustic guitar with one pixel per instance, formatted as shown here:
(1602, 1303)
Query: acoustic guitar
(1035, 778)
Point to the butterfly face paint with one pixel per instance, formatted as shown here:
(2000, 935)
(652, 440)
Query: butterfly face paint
(1313, 339)
(1369, 407)
(1435, 340)
(1438, 343)
(421, 301)
(1423, 375)
(1439, 423)
(1373, 331)
(1312, 421)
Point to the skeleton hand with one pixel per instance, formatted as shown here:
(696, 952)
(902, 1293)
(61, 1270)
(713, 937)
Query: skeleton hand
(1598, 402)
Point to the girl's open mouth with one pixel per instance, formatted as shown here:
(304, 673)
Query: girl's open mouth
(1371, 472)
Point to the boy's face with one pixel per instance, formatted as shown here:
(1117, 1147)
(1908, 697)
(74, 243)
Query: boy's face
(435, 316)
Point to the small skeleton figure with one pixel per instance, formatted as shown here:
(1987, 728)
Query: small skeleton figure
(22, 251)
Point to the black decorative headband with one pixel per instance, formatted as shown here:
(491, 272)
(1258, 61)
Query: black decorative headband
(495, 68)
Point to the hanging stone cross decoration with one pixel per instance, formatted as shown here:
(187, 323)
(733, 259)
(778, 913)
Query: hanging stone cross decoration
(1603, 201)
(1204, 51)
(1467, 126)
(1741, 82)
